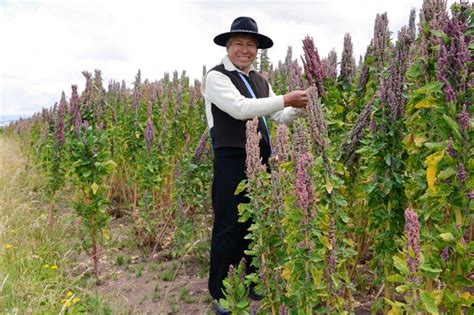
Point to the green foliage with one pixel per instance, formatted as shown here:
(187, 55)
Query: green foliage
(422, 158)
(90, 167)
(235, 291)
(35, 261)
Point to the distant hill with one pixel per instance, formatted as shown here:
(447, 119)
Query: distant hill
(6, 119)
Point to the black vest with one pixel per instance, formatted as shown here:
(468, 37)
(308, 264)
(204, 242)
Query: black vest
(228, 131)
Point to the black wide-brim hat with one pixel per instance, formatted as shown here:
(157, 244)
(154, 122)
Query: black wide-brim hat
(244, 25)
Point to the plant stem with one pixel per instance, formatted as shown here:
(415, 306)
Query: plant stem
(429, 281)
(386, 261)
(348, 291)
(471, 227)
(386, 287)
(135, 211)
(51, 212)
(94, 252)
(360, 248)
(459, 221)
(458, 215)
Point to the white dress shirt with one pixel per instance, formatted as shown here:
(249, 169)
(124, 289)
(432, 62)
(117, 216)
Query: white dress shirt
(218, 89)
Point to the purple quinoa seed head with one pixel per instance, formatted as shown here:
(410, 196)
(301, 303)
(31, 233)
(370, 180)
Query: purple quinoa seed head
(332, 251)
(451, 150)
(412, 231)
(312, 65)
(462, 174)
(304, 186)
(348, 66)
(445, 254)
(464, 120)
(329, 65)
(149, 134)
(59, 127)
(469, 194)
(75, 110)
(252, 148)
(201, 146)
(282, 148)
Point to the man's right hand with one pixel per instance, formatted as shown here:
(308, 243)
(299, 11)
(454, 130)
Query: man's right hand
(298, 99)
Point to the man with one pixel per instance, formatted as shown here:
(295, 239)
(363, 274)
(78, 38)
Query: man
(234, 93)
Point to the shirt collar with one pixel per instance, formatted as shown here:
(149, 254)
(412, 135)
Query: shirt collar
(229, 66)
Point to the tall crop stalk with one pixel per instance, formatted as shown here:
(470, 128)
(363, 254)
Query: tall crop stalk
(54, 157)
(396, 132)
(440, 133)
(91, 163)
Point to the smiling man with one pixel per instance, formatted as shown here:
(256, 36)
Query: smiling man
(242, 51)
(234, 93)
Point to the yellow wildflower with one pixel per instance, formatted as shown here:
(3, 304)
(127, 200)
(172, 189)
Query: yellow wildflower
(75, 300)
(69, 294)
(53, 267)
(8, 246)
(46, 266)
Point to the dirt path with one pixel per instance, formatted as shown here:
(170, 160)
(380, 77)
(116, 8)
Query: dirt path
(165, 286)
(129, 283)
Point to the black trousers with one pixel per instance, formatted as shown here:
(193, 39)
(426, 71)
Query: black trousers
(227, 242)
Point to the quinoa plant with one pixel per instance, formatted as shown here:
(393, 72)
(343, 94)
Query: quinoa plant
(235, 290)
(408, 266)
(384, 154)
(302, 223)
(91, 164)
(332, 203)
(377, 176)
(258, 206)
(439, 145)
(148, 175)
(329, 65)
(54, 162)
(306, 270)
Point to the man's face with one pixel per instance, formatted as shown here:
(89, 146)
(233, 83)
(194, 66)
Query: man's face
(242, 51)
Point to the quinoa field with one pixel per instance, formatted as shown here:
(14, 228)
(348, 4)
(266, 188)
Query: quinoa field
(368, 208)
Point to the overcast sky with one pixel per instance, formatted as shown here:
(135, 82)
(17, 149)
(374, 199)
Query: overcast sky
(47, 44)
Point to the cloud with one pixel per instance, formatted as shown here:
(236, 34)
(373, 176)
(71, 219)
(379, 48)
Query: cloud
(47, 44)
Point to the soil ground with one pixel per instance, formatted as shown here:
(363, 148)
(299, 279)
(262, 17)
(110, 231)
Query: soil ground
(132, 283)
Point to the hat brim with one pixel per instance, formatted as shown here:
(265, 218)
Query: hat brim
(264, 42)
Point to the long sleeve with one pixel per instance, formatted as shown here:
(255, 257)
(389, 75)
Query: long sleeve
(287, 115)
(220, 91)
(217, 88)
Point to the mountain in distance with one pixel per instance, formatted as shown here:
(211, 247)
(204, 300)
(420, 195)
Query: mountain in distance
(6, 119)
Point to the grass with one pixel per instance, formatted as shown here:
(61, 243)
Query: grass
(156, 293)
(184, 295)
(35, 261)
(46, 270)
(119, 260)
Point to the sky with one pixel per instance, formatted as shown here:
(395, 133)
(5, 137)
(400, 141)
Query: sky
(47, 44)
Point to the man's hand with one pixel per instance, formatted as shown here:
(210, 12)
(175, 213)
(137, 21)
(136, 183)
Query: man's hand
(298, 99)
